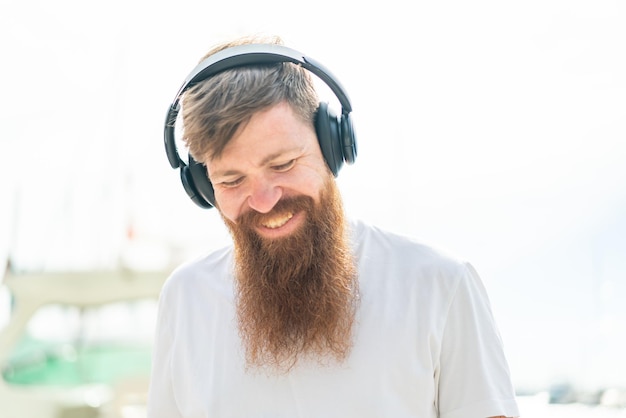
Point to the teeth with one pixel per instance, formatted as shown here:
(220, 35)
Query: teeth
(277, 222)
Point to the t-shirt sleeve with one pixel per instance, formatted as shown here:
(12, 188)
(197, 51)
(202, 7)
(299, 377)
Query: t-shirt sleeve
(474, 379)
(161, 400)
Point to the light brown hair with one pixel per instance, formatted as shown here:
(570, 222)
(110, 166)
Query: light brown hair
(216, 108)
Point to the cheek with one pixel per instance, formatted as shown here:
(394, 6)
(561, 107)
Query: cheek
(314, 189)
(313, 183)
(227, 206)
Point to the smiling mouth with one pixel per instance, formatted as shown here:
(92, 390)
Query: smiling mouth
(277, 221)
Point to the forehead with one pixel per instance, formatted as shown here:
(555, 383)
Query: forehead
(268, 134)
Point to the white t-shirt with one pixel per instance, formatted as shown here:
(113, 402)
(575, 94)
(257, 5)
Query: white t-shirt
(425, 345)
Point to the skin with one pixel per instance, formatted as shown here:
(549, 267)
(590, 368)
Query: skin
(275, 155)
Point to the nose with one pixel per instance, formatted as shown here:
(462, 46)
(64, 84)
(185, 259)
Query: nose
(264, 195)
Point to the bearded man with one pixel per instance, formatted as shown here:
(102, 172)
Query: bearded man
(307, 314)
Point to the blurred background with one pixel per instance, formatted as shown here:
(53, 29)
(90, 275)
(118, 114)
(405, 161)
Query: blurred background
(494, 130)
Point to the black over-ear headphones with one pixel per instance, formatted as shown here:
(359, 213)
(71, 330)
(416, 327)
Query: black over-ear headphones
(334, 133)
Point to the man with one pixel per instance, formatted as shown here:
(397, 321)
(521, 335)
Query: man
(307, 314)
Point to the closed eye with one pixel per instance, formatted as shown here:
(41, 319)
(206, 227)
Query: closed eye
(231, 183)
(284, 167)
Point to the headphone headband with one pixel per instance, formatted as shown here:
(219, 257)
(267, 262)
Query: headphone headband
(250, 54)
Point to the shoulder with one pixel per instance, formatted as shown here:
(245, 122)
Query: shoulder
(378, 246)
(213, 270)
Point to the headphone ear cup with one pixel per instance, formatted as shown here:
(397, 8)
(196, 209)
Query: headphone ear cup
(327, 128)
(189, 185)
(197, 184)
(348, 139)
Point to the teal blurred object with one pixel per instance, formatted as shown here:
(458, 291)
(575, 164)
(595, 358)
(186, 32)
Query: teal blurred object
(78, 344)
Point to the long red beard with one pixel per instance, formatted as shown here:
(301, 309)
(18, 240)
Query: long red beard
(296, 296)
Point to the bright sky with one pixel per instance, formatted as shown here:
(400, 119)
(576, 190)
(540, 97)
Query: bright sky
(492, 129)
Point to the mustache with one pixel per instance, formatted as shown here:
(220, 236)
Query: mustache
(293, 204)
